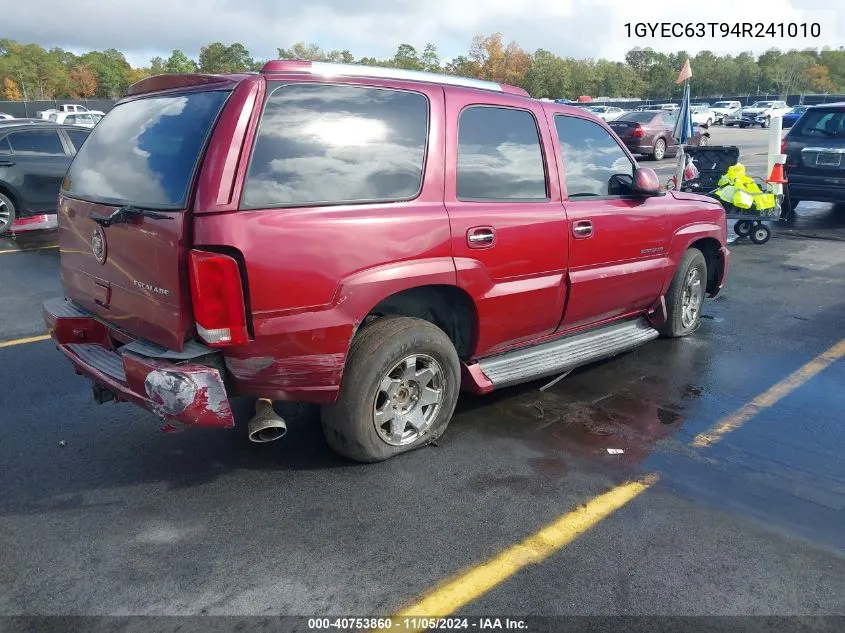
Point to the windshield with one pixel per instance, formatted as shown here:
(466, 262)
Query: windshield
(144, 152)
(723, 104)
(762, 104)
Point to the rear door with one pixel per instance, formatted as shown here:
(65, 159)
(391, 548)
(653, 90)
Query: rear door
(618, 243)
(33, 163)
(509, 230)
(123, 218)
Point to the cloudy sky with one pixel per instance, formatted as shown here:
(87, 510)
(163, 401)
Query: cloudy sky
(580, 28)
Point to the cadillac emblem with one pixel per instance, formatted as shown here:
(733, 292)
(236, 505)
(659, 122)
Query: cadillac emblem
(98, 245)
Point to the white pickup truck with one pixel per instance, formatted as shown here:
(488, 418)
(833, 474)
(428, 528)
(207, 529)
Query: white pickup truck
(67, 108)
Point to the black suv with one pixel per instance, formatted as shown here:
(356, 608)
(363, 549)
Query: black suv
(815, 156)
(34, 158)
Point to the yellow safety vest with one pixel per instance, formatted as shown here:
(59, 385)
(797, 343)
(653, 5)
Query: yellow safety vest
(740, 190)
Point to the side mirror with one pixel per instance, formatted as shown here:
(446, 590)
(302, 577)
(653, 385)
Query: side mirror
(646, 182)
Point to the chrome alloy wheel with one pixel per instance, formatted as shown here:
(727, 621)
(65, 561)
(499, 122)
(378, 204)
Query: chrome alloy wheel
(408, 400)
(692, 298)
(5, 216)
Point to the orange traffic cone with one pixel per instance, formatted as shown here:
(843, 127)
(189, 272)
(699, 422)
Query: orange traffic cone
(777, 177)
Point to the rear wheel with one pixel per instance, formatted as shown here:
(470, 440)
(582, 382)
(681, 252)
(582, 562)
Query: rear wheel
(704, 141)
(686, 295)
(659, 149)
(7, 213)
(398, 393)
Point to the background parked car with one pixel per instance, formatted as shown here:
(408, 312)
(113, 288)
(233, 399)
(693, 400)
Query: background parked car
(723, 109)
(791, 117)
(758, 113)
(84, 119)
(34, 158)
(607, 113)
(702, 115)
(815, 156)
(650, 133)
(5, 117)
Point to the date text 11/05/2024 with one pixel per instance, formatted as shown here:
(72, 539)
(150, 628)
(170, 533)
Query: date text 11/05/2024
(416, 624)
(723, 29)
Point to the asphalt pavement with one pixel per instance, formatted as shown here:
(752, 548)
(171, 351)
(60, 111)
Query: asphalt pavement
(102, 514)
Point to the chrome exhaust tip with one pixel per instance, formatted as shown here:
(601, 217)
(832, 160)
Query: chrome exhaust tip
(266, 425)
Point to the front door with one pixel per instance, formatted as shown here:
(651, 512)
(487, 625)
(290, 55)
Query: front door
(618, 242)
(509, 229)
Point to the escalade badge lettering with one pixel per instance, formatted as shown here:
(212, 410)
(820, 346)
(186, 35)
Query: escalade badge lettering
(98, 245)
(151, 288)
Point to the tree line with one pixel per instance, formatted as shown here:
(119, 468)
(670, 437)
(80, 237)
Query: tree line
(31, 72)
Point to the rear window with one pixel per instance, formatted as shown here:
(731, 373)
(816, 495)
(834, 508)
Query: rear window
(636, 117)
(145, 152)
(334, 144)
(822, 123)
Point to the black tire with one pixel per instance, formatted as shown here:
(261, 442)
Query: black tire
(709, 123)
(348, 423)
(659, 151)
(766, 123)
(704, 141)
(787, 206)
(674, 326)
(742, 228)
(760, 234)
(8, 213)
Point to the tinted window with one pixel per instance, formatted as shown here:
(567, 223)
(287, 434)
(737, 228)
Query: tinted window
(77, 137)
(36, 142)
(145, 151)
(637, 117)
(4, 146)
(591, 156)
(333, 144)
(822, 123)
(499, 155)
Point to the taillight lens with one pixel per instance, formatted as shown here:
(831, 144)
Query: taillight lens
(783, 145)
(218, 298)
(638, 132)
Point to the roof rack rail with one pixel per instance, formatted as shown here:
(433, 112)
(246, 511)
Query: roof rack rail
(329, 69)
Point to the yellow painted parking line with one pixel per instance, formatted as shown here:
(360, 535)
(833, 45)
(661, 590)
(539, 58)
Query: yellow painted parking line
(473, 583)
(770, 397)
(27, 250)
(24, 341)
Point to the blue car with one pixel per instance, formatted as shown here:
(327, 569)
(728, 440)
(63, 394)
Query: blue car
(791, 117)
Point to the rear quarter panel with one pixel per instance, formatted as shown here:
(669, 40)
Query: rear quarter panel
(313, 273)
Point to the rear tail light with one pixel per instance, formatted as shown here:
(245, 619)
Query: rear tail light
(218, 297)
(783, 145)
(638, 132)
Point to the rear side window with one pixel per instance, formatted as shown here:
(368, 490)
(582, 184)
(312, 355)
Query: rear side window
(46, 142)
(4, 146)
(334, 144)
(499, 156)
(77, 137)
(591, 158)
(822, 124)
(145, 152)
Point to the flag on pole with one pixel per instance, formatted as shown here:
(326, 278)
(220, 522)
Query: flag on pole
(683, 124)
(686, 73)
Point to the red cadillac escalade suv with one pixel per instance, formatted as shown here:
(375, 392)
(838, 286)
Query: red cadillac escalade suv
(369, 239)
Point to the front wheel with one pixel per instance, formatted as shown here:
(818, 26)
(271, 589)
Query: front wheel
(742, 228)
(685, 297)
(766, 123)
(761, 234)
(398, 393)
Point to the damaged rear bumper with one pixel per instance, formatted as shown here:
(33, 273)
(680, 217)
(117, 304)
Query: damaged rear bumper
(181, 388)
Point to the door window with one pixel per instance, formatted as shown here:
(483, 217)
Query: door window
(46, 142)
(77, 137)
(499, 156)
(594, 164)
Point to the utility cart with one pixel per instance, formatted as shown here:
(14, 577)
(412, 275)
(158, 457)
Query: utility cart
(712, 162)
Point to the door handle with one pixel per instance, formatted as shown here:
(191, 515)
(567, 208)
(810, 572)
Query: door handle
(7, 163)
(582, 229)
(481, 236)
